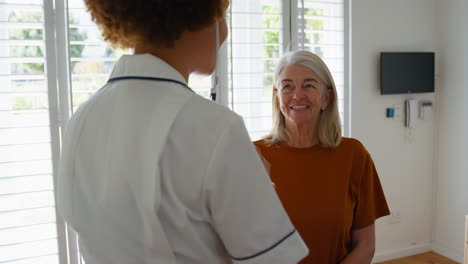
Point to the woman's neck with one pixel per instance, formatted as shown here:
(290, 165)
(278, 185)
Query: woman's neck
(302, 136)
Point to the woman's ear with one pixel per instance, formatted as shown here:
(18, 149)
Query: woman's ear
(275, 93)
(327, 97)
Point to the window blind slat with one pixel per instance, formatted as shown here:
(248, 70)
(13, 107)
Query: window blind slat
(42, 259)
(21, 6)
(23, 25)
(25, 184)
(12, 253)
(27, 234)
(24, 201)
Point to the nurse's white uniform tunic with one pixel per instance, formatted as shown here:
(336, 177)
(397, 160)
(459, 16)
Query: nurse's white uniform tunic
(153, 173)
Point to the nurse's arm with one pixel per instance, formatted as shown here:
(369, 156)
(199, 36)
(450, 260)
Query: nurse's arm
(243, 206)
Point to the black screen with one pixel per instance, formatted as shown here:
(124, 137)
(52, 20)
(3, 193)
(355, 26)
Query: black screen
(406, 72)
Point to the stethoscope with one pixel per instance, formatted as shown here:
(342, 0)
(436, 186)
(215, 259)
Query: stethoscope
(215, 82)
(215, 78)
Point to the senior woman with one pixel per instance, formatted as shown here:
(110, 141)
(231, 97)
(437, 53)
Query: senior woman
(153, 173)
(327, 184)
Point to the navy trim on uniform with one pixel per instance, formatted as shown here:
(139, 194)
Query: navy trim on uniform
(148, 79)
(266, 250)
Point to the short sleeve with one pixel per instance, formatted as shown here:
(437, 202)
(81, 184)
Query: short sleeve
(245, 210)
(371, 203)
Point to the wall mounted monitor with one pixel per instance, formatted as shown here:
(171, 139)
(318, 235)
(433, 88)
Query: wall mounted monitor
(406, 72)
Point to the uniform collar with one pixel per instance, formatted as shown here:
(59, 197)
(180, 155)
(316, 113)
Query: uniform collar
(145, 65)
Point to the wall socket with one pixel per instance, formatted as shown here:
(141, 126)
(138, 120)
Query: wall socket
(394, 218)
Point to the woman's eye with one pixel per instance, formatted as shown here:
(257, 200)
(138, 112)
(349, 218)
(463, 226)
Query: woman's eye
(287, 86)
(309, 86)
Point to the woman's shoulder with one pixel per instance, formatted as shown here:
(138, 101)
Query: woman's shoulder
(265, 146)
(260, 143)
(354, 145)
(351, 142)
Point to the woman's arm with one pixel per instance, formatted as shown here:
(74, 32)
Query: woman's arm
(363, 243)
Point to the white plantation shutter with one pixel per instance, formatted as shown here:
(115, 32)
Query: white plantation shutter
(255, 45)
(257, 31)
(28, 231)
(321, 31)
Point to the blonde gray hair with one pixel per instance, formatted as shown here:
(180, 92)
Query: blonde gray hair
(329, 126)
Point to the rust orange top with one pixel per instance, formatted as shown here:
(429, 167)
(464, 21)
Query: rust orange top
(327, 193)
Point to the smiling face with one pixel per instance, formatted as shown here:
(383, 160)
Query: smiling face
(301, 95)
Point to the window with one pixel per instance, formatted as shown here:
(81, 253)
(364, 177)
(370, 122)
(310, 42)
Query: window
(255, 46)
(260, 32)
(321, 31)
(28, 232)
(52, 59)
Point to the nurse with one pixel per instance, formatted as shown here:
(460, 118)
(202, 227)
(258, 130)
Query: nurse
(153, 173)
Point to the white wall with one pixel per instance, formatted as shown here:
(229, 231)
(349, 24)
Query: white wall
(404, 158)
(452, 166)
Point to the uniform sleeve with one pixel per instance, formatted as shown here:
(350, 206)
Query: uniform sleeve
(245, 210)
(371, 203)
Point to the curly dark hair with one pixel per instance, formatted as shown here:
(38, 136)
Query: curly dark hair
(125, 22)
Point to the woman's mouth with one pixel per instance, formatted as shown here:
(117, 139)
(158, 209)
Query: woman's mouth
(298, 107)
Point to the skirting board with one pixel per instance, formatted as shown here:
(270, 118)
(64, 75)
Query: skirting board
(401, 253)
(447, 252)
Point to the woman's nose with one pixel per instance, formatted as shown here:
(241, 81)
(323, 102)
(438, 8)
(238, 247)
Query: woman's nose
(298, 94)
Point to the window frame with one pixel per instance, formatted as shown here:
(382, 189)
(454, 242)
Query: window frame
(58, 82)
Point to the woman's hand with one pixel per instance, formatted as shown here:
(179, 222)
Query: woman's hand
(363, 242)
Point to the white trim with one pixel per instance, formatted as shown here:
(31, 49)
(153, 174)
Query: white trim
(230, 85)
(293, 26)
(223, 80)
(58, 82)
(65, 100)
(401, 253)
(447, 251)
(215, 88)
(293, 18)
(286, 23)
(465, 246)
(302, 25)
(290, 27)
(52, 89)
(347, 91)
(63, 59)
(435, 157)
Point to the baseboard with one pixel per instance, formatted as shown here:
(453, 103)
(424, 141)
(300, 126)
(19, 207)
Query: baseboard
(447, 252)
(401, 253)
